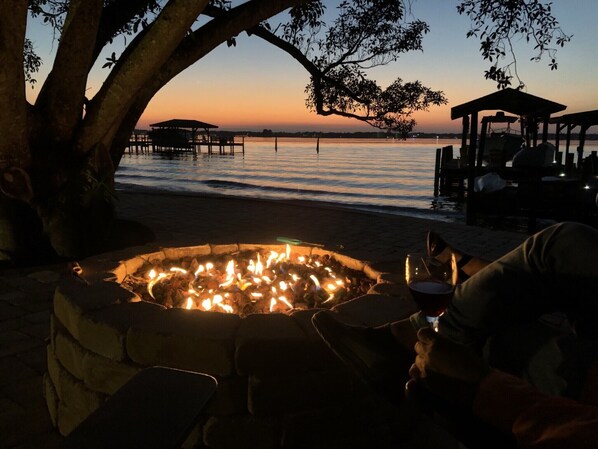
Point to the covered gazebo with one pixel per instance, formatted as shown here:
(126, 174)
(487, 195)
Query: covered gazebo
(532, 111)
(178, 134)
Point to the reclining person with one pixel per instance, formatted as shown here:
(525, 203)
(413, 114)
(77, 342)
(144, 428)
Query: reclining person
(495, 313)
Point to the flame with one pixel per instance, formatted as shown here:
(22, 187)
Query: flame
(230, 268)
(154, 281)
(330, 298)
(228, 282)
(259, 267)
(254, 280)
(226, 307)
(284, 300)
(273, 256)
(315, 280)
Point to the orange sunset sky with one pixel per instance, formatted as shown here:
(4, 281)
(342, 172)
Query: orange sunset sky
(254, 86)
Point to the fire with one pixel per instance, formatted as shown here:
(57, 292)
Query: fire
(316, 281)
(276, 282)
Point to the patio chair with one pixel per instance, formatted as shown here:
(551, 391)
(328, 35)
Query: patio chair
(157, 408)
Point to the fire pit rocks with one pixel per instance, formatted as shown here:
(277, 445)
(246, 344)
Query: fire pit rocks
(279, 386)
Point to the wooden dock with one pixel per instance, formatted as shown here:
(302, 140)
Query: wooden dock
(214, 145)
(563, 191)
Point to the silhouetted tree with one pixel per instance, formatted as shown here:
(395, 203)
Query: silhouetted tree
(58, 156)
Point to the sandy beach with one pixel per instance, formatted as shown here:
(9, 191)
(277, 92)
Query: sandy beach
(183, 219)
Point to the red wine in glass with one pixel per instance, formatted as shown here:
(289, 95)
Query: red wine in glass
(431, 284)
(432, 297)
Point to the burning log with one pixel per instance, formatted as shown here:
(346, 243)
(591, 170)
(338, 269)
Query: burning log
(249, 282)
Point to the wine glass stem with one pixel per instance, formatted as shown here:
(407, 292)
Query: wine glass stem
(433, 320)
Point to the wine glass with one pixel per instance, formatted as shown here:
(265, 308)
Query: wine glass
(431, 284)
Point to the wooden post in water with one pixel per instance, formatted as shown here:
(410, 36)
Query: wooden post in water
(276, 144)
(318, 146)
(243, 144)
(437, 171)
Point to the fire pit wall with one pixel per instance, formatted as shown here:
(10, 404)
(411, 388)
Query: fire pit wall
(279, 385)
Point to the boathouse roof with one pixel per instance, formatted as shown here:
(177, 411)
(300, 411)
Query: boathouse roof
(509, 100)
(183, 124)
(584, 119)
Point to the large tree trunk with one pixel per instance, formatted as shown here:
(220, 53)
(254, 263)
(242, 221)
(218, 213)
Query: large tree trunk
(59, 159)
(73, 220)
(20, 230)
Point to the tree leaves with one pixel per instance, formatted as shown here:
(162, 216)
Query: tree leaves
(111, 60)
(498, 22)
(365, 34)
(31, 62)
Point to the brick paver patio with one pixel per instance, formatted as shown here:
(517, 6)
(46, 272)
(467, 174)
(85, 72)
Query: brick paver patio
(26, 293)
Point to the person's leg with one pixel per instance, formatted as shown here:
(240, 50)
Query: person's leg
(441, 250)
(554, 270)
(374, 354)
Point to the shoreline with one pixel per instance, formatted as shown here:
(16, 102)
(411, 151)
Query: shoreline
(443, 216)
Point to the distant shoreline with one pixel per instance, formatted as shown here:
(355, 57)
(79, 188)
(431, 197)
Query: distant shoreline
(355, 135)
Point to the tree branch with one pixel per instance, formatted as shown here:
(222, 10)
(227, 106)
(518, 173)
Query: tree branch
(140, 65)
(382, 109)
(59, 104)
(299, 56)
(115, 17)
(225, 25)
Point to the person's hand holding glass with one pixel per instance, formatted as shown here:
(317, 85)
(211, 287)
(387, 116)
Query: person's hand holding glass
(431, 284)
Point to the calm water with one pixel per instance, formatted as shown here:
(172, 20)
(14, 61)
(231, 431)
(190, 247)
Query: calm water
(375, 174)
(388, 176)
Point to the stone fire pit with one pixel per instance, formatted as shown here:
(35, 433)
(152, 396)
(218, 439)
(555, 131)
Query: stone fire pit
(279, 385)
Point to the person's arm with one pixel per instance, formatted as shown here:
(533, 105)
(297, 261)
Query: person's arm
(510, 404)
(537, 420)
